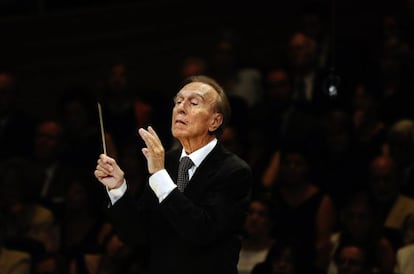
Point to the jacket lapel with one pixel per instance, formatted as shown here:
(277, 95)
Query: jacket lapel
(201, 178)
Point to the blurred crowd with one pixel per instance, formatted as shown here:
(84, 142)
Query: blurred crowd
(332, 154)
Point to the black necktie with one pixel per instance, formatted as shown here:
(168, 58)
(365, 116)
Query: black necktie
(185, 165)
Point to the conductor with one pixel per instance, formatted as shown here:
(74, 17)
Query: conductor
(193, 207)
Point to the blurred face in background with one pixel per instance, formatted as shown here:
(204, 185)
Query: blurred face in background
(279, 87)
(293, 169)
(351, 260)
(383, 180)
(257, 222)
(284, 263)
(359, 220)
(48, 141)
(302, 51)
(118, 77)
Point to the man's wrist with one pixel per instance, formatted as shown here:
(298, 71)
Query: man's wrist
(116, 193)
(162, 184)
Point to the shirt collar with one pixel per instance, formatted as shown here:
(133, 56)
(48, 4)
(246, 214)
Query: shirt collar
(200, 154)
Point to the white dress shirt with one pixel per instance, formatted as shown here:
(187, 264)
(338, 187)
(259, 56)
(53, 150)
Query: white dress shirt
(161, 182)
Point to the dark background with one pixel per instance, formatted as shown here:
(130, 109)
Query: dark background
(53, 44)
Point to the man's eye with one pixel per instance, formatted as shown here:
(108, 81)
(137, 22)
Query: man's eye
(194, 103)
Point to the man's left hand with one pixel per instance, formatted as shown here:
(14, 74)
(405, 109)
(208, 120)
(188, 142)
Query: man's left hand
(154, 152)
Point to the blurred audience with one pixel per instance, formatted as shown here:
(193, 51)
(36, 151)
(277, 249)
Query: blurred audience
(353, 259)
(304, 215)
(360, 227)
(392, 206)
(313, 153)
(12, 261)
(78, 115)
(405, 253)
(400, 145)
(29, 226)
(116, 96)
(257, 239)
(281, 259)
(47, 156)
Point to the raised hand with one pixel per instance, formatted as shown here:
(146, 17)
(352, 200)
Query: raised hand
(154, 152)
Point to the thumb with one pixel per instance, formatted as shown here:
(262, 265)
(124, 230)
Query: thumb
(145, 152)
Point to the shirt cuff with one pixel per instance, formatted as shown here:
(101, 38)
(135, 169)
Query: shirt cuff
(162, 184)
(116, 193)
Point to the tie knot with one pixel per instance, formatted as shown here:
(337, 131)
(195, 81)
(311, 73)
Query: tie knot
(186, 163)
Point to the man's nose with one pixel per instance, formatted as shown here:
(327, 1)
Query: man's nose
(181, 107)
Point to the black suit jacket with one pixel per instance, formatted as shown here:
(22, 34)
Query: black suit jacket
(197, 231)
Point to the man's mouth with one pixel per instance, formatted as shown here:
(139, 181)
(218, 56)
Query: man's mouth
(180, 122)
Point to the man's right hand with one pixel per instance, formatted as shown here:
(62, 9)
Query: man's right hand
(108, 172)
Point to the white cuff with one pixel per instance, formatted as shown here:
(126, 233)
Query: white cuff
(116, 193)
(162, 184)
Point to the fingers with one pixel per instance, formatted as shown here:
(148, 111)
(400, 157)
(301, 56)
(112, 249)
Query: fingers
(99, 174)
(105, 166)
(150, 138)
(152, 131)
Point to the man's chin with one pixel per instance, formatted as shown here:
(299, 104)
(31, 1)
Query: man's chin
(179, 133)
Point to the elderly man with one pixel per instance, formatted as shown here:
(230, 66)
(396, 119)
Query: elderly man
(191, 219)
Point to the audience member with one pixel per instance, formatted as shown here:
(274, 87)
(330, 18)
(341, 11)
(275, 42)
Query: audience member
(192, 65)
(360, 227)
(304, 214)
(285, 122)
(48, 149)
(393, 67)
(340, 170)
(369, 132)
(278, 108)
(29, 225)
(118, 257)
(393, 207)
(315, 24)
(404, 261)
(83, 220)
(352, 259)
(50, 263)
(281, 259)
(257, 238)
(400, 142)
(307, 77)
(117, 99)
(12, 261)
(78, 113)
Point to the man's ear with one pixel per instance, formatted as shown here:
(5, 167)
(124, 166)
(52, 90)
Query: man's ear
(215, 122)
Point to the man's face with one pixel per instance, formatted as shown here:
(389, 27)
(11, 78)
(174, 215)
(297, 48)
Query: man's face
(194, 112)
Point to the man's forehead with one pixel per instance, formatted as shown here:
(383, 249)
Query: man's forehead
(197, 88)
